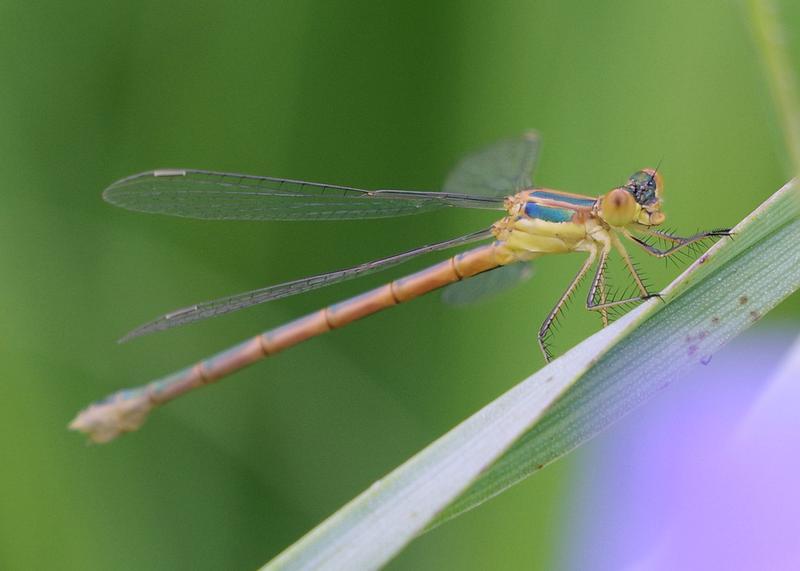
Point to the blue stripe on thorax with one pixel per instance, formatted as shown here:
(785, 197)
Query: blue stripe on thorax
(586, 202)
(548, 213)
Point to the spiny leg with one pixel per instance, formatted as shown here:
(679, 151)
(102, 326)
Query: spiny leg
(604, 306)
(603, 294)
(599, 285)
(629, 264)
(679, 241)
(666, 235)
(548, 322)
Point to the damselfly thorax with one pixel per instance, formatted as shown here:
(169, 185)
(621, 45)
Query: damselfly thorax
(543, 221)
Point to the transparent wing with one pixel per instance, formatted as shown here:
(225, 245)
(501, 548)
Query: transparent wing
(227, 196)
(240, 301)
(499, 170)
(485, 285)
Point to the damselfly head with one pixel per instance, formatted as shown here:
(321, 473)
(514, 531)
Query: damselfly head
(646, 187)
(638, 202)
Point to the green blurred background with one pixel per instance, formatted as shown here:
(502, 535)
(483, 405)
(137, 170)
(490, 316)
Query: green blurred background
(357, 92)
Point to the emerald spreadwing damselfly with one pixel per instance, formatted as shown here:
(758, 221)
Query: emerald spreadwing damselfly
(536, 222)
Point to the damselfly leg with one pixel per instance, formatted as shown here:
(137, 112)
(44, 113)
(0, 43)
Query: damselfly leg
(678, 241)
(553, 315)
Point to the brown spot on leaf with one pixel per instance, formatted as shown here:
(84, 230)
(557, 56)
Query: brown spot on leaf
(715, 320)
(754, 315)
(743, 300)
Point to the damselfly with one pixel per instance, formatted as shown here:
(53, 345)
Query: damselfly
(537, 221)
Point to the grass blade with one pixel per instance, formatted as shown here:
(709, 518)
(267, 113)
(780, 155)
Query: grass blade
(572, 399)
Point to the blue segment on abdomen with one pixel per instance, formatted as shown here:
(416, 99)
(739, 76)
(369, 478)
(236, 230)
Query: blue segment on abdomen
(587, 202)
(548, 213)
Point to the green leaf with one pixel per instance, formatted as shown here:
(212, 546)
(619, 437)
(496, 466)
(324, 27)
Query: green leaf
(569, 401)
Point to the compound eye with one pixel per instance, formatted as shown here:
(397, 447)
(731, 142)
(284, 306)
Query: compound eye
(645, 186)
(618, 207)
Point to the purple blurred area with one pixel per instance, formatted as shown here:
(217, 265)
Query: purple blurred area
(703, 477)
